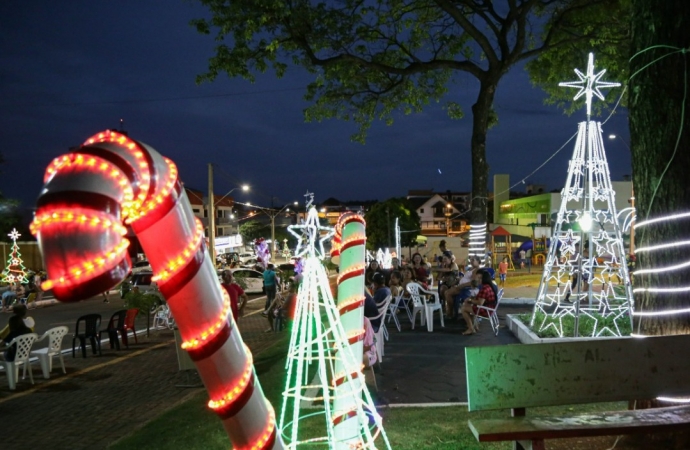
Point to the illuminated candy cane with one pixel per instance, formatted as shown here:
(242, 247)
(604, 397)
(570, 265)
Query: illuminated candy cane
(350, 238)
(79, 226)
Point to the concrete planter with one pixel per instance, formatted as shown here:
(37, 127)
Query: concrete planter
(527, 336)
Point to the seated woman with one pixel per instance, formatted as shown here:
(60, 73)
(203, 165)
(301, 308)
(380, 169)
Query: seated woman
(486, 296)
(448, 274)
(17, 327)
(369, 273)
(421, 270)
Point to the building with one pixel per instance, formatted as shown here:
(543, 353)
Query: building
(227, 236)
(441, 213)
(534, 215)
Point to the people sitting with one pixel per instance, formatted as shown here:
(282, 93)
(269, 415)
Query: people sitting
(457, 294)
(395, 283)
(369, 344)
(373, 268)
(487, 295)
(421, 270)
(18, 325)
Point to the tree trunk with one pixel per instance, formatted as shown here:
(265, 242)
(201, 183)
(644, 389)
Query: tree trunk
(481, 112)
(656, 104)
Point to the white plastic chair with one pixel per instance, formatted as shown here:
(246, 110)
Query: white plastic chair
(24, 343)
(380, 334)
(417, 304)
(484, 312)
(431, 306)
(162, 317)
(393, 309)
(54, 348)
(426, 308)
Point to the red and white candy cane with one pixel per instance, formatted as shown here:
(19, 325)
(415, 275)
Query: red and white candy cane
(350, 240)
(87, 196)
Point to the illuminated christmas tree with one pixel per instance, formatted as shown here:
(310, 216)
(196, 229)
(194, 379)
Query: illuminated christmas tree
(15, 270)
(286, 249)
(586, 256)
(324, 377)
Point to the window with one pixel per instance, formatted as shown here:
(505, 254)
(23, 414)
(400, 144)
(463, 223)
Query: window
(205, 213)
(196, 210)
(219, 214)
(421, 210)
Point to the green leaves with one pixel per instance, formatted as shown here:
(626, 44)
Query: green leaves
(380, 220)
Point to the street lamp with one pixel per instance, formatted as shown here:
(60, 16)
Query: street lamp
(212, 212)
(615, 136)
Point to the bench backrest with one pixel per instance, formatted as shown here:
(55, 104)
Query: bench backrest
(526, 375)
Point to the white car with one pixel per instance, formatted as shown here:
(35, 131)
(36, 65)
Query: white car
(141, 266)
(252, 279)
(244, 257)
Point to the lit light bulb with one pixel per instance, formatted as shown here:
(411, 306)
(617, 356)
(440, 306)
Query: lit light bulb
(585, 221)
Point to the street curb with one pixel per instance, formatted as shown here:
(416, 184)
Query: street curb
(518, 301)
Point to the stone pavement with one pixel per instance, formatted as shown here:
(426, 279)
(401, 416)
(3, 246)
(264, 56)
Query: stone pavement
(103, 398)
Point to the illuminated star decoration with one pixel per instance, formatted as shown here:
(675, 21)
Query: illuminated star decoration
(589, 84)
(14, 235)
(311, 230)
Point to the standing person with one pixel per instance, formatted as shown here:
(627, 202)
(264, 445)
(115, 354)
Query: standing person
(522, 259)
(271, 282)
(235, 292)
(503, 270)
(38, 288)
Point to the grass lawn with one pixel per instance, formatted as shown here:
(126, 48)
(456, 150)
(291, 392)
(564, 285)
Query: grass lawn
(191, 426)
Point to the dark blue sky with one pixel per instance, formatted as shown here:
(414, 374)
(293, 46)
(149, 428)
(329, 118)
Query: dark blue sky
(71, 69)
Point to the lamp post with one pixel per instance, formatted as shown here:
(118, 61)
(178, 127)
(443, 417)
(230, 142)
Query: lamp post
(632, 197)
(212, 212)
(448, 211)
(272, 214)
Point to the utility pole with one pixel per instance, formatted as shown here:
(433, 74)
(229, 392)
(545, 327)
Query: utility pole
(211, 217)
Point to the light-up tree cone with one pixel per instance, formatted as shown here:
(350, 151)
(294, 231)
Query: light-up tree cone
(589, 200)
(322, 366)
(79, 226)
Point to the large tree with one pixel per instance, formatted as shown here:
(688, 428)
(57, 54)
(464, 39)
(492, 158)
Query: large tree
(371, 59)
(659, 139)
(380, 220)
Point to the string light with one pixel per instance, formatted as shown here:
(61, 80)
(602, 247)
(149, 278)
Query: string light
(209, 333)
(652, 248)
(661, 219)
(588, 184)
(177, 263)
(141, 184)
(322, 348)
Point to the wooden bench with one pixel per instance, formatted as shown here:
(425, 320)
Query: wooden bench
(575, 372)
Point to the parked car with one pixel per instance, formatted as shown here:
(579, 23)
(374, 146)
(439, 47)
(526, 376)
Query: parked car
(141, 266)
(142, 280)
(246, 256)
(253, 279)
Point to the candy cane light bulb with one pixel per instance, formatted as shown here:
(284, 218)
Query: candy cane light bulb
(88, 195)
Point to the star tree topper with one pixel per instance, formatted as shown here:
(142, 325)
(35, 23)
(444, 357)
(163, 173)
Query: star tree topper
(311, 230)
(589, 84)
(14, 235)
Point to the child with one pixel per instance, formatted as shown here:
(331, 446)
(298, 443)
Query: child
(503, 270)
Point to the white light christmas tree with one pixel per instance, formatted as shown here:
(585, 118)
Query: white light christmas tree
(593, 250)
(15, 272)
(322, 371)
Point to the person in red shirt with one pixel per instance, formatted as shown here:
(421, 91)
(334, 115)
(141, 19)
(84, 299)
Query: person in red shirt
(235, 292)
(486, 296)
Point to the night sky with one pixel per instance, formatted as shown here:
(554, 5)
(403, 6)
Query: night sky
(71, 69)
